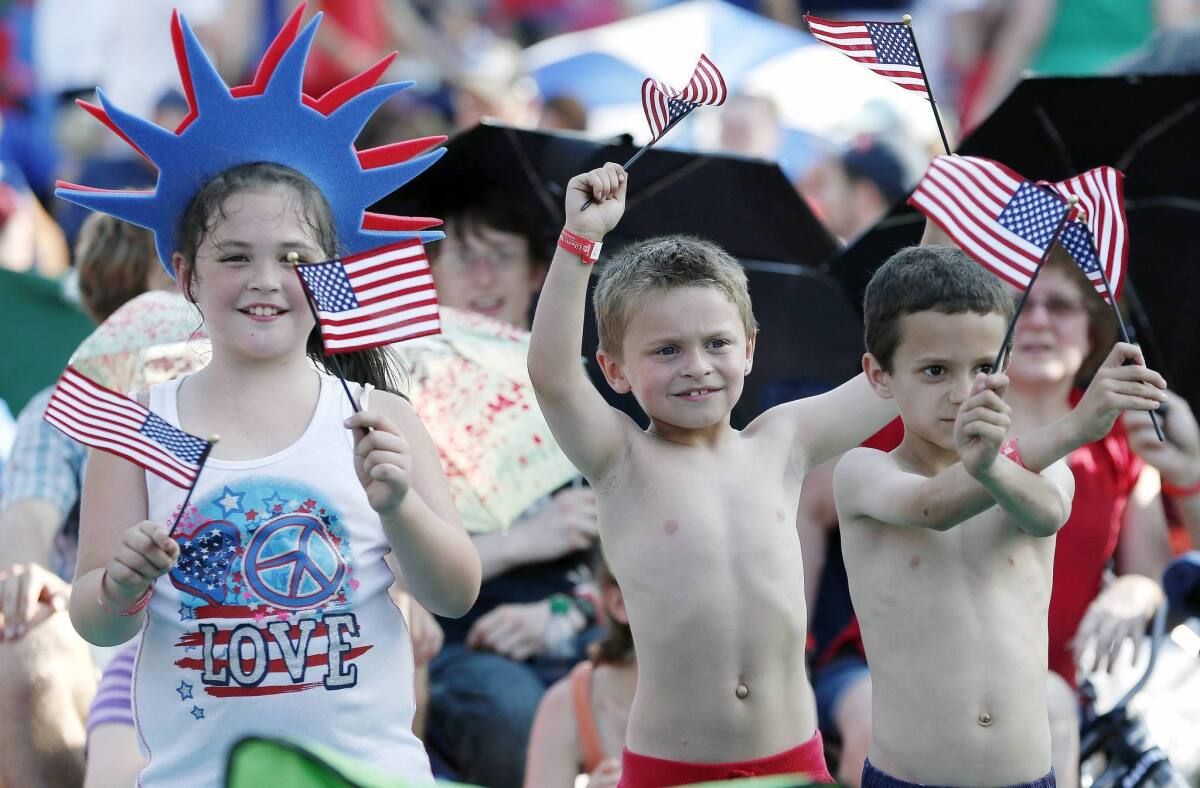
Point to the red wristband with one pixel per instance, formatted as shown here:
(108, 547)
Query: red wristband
(137, 606)
(1180, 492)
(586, 248)
(1009, 449)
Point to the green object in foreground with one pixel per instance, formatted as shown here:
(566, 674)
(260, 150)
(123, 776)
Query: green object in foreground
(255, 762)
(39, 329)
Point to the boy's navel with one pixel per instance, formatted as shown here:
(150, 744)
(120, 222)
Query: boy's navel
(984, 719)
(914, 562)
(742, 691)
(671, 526)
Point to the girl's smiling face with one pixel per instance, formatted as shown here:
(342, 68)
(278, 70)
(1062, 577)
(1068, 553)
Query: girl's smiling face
(252, 301)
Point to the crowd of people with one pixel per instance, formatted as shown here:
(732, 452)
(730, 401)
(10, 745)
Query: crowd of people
(768, 639)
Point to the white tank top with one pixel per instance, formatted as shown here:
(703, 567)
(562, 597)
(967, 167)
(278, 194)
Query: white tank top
(281, 567)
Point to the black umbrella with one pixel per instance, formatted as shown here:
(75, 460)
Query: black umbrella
(743, 204)
(810, 335)
(1051, 128)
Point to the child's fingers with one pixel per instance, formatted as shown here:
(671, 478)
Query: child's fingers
(383, 441)
(367, 419)
(987, 416)
(157, 534)
(150, 552)
(987, 399)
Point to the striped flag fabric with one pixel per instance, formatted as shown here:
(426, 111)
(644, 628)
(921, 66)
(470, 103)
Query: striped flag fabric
(104, 419)
(378, 297)
(1101, 193)
(664, 105)
(1005, 222)
(886, 48)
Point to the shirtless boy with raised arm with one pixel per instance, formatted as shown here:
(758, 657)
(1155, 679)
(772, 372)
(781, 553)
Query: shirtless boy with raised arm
(948, 540)
(697, 518)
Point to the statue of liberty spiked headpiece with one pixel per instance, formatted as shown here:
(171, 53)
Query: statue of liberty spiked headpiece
(270, 119)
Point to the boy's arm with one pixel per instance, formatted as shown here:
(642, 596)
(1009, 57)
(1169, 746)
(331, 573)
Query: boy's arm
(870, 483)
(825, 425)
(590, 433)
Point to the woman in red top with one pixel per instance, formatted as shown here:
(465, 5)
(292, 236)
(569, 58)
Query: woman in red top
(1117, 520)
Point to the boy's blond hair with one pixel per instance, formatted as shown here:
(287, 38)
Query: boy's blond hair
(661, 264)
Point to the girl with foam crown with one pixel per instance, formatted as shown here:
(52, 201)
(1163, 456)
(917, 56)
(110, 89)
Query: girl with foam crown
(266, 610)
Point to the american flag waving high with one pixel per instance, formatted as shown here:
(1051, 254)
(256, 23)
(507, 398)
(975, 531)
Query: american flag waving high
(1101, 193)
(1002, 220)
(664, 106)
(103, 419)
(375, 298)
(884, 47)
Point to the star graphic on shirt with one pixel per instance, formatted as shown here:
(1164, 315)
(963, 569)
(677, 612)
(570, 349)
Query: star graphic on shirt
(230, 502)
(186, 613)
(274, 503)
(197, 712)
(185, 691)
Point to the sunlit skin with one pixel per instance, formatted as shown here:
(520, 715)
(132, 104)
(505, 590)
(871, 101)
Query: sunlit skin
(487, 271)
(697, 518)
(953, 614)
(253, 304)
(932, 372)
(684, 357)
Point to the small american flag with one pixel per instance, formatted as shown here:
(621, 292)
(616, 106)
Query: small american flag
(1101, 193)
(1002, 220)
(104, 419)
(886, 48)
(375, 298)
(664, 105)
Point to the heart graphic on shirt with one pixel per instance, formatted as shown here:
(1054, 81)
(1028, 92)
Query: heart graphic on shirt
(206, 559)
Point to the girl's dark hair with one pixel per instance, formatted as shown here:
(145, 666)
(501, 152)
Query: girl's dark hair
(206, 211)
(616, 645)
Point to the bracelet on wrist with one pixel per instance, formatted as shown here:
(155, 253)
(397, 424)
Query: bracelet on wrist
(1180, 492)
(1010, 450)
(587, 249)
(133, 610)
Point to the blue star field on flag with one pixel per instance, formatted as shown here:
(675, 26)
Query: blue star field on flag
(1032, 214)
(330, 286)
(183, 445)
(893, 44)
(1077, 241)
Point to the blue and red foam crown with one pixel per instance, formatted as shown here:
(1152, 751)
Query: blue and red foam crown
(270, 119)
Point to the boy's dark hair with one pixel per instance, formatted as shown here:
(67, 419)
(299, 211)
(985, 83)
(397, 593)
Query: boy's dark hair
(660, 264)
(926, 279)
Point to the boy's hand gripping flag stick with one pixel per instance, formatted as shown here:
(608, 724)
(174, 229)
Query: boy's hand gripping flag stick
(1082, 248)
(665, 107)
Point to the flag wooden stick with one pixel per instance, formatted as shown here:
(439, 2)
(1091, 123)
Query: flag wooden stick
(293, 258)
(212, 441)
(633, 159)
(1012, 324)
(907, 19)
(1112, 301)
